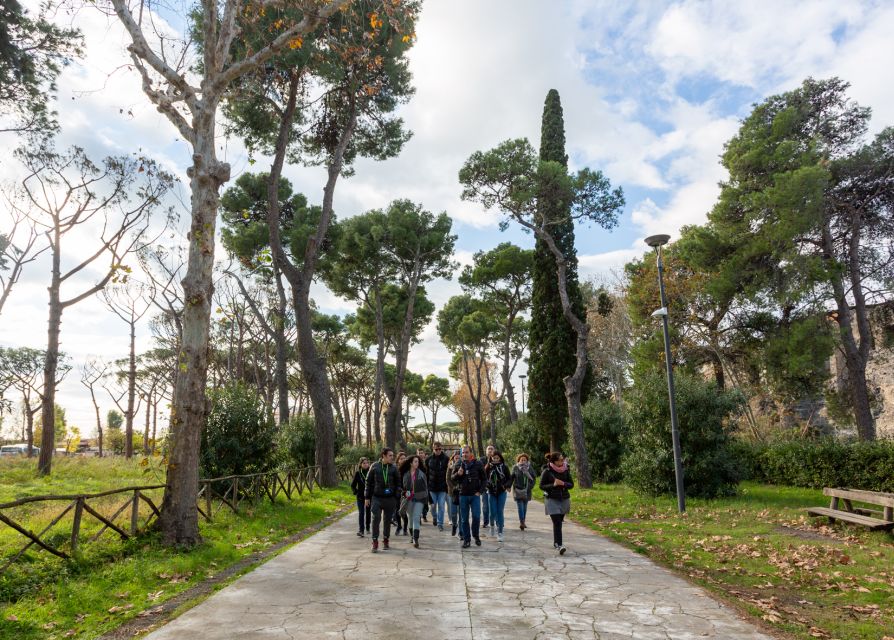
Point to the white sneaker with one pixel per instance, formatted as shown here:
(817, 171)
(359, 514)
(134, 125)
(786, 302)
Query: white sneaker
(500, 537)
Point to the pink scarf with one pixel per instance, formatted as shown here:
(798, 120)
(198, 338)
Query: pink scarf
(561, 469)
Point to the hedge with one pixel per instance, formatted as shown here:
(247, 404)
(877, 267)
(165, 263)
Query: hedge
(820, 463)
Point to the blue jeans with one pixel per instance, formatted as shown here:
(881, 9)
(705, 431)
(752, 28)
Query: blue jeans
(497, 504)
(454, 513)
(465, 504)
(485, 504)
(438, 504)
(414, 513)
(522, 509)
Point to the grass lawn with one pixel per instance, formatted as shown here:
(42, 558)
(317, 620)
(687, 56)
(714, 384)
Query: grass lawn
(112, 581)
(760, 551)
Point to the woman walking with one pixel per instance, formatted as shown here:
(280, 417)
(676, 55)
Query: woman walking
(415, 493)
(498, 482)
(358, 486)
(453, 493)
(555, 482)
(400, 520)
(523, 482)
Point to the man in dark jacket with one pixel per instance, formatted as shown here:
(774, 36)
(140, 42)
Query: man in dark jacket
(436, 464)
(469, 477)
(382, 489)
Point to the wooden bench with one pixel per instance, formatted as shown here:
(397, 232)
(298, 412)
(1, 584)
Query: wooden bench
(873, 519)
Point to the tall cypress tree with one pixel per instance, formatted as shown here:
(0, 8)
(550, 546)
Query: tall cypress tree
(552, 339)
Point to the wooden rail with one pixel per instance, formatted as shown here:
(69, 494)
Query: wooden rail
(213, 495)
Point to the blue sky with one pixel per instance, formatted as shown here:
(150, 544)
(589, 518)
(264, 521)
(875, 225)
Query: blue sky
(651, 91)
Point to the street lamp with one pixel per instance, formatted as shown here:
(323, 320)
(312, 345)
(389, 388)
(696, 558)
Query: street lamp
(656, 242)
(523, 392)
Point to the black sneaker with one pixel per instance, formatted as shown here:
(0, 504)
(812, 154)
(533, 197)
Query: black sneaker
(477, 542)
(453, 530)
(562, 550)
(466, 544)
(359, 534)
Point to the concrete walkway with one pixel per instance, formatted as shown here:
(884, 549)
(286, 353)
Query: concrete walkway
(332, 586)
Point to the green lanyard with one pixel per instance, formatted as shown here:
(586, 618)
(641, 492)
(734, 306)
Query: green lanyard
(385, 474)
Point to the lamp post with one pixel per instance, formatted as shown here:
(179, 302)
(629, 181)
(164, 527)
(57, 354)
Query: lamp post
(656, 242)
(523, 392)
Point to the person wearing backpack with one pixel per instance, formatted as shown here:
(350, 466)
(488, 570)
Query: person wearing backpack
(523, 482)
(555, 481)
(382, 489)
(498, 482)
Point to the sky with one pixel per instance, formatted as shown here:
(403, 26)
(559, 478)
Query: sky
(651, 91)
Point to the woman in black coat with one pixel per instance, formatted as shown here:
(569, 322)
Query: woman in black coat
(555, 482)
(358, 486)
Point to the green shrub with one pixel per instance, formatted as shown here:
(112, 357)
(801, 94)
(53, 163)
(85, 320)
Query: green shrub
(296, 443)
(523, 436)
(603, 430)
(709, 467)
(352, 454)
(821, 463)
(239, 435)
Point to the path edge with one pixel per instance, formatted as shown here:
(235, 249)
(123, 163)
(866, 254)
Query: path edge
(185, 600)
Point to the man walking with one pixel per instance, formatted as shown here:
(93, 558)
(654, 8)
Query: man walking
(469, 477)
(485, 507)
(437, 484)
(382, 489)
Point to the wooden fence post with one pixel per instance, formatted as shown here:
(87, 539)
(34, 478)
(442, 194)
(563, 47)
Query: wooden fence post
(236, 493)
(135, 513)
(208, 500)
(76, 524)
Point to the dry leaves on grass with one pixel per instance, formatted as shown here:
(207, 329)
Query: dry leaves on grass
(175, 578)
(119, 609)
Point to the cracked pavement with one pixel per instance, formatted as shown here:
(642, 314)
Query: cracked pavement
(331, 586)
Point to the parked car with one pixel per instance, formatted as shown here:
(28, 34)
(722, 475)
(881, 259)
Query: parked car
(18, 450)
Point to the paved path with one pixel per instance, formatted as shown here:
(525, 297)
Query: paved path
(330, 585)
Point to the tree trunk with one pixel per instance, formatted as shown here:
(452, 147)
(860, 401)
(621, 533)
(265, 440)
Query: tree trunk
(154, 425)
(131, 391)
(48, 398)
(178, 520)
(402, 353)
(380, 372)
(146, 430)
(313, 369)
(279, 329)
(574, 382)
(855, 355)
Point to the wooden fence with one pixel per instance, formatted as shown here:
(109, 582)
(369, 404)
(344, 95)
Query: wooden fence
(139, 509)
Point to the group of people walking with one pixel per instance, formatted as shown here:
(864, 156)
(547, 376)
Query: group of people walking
(458, 488)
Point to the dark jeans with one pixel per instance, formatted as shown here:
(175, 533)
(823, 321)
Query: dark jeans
(485, 507)
(466, 504)
(557, 528)
(380, 507)
(364, 514)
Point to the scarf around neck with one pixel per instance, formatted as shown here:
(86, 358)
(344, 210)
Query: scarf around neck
(561, 469)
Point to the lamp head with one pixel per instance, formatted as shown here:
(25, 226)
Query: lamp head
(657, 240)
(658, 313)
